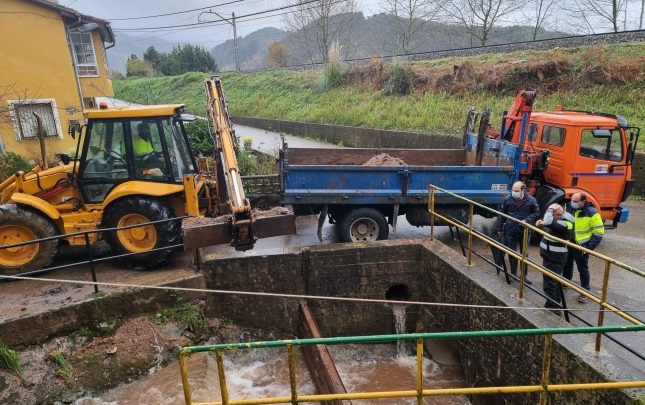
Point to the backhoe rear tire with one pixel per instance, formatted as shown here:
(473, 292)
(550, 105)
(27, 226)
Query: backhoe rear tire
(136, 210)
(19, 224)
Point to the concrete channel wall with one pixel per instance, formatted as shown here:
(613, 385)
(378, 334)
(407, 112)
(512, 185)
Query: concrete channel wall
(430, 271)
(360, 137)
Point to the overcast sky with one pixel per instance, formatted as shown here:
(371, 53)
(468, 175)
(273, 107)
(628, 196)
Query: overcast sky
(206, 36)
(209, 36)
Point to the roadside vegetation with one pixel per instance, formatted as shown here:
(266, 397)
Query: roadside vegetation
(9, 360)
(601, 78)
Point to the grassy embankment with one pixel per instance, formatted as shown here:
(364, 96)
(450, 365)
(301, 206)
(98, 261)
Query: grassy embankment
(603, 78)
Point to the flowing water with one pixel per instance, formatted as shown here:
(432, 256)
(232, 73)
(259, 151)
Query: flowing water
(258, 373)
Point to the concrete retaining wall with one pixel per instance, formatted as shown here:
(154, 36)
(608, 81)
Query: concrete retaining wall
(359, 137)
(432, 272)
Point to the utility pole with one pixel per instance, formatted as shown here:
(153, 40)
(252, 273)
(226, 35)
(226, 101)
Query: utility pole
(230, 21)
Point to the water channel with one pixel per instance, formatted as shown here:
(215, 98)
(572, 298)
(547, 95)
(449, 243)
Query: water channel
(257, 373)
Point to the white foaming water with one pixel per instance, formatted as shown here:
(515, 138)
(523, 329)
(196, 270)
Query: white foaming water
(399, 327)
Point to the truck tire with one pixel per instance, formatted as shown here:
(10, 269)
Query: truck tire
(363, 224)
(138, 210)
(18, 224)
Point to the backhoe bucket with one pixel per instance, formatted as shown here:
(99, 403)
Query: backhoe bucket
(239, 235)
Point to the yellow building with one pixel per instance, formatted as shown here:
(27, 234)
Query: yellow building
(52, 64)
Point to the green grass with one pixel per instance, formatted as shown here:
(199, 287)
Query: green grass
(9, 360)
(63, 369)
(188, 314)
(292, 95)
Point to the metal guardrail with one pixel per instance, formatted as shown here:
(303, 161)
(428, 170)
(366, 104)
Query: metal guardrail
(524, 260)
(88, 248)
(543, 388)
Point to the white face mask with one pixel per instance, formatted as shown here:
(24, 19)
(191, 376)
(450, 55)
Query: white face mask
(517, 194)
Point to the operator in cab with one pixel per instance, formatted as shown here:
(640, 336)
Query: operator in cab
(145, 156)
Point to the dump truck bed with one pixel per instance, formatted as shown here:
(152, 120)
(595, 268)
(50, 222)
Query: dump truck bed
(340, 176)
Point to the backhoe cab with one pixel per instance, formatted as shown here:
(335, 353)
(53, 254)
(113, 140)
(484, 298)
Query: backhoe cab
(135, 166)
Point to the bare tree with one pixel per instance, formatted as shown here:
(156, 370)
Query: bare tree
(541, 12)
(277, 55)
(411, 16)
(599, 14)
(319, 23)
(480, 16)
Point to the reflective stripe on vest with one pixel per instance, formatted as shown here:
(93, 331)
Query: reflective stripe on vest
(586, 227)
(554, 248)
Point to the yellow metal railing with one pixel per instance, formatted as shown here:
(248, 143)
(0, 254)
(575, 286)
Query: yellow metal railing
(524, 260)
(543, 388)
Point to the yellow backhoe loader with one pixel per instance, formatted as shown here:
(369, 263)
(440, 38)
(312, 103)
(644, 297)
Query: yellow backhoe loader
(135, 166)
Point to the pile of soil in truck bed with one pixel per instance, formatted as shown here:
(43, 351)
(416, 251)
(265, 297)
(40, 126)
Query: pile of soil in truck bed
(384, 160)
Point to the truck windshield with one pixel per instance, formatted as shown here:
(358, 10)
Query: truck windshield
(605, 148)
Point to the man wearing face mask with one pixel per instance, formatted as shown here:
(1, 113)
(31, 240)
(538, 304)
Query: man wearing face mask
(554, 254)
(523, 207)
(589, 230)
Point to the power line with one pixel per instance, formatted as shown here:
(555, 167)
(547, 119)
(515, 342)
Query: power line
(209, 23)
(176, 12)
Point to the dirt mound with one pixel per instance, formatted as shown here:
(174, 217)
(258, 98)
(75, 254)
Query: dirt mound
(137, 347)
(193, 222)
(384, 160)
(273, 212)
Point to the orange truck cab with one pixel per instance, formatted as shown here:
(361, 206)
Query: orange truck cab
(570, 151)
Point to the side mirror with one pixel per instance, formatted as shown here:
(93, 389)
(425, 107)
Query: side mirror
(74, 128)
(601, 133)
(64, 157)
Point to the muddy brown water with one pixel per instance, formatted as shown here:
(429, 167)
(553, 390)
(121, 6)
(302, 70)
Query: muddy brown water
(361, 367)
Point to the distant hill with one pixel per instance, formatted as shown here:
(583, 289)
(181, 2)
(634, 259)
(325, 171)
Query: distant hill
(129, 44)
(374, 35)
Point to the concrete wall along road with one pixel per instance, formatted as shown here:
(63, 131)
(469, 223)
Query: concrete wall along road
(432, 272)
(359, 137)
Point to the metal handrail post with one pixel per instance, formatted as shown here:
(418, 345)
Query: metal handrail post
(222, 377)
(420, 372)
(470, 235)
(292, 374)
(183, 369)
(88, 250)
(603, 298)
(432, 188)
(546, 366)
(525, 237)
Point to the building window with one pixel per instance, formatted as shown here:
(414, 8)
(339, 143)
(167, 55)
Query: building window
(25, 123)
(84, 54)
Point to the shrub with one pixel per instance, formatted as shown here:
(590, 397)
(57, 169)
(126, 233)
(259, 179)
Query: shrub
(199, 136)
(333, 71)
(400, 81)
(9, 360)
(10, 163)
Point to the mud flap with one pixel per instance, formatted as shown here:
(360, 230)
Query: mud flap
(321, 221)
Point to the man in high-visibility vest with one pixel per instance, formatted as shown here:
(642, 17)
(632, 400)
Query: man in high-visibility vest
(144, 151)
(589, 230)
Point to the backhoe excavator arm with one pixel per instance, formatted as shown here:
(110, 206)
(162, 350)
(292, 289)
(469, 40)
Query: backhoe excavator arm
(232, 194)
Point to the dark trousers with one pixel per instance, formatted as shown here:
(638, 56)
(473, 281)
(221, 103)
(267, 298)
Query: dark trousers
(551, 287)
(512, 241)
(582, 262)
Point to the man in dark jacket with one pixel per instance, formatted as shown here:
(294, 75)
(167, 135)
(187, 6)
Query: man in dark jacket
(589, 230)
(523, 207)
(554, 254)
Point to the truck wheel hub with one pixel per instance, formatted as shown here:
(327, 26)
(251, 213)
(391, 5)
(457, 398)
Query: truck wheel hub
(364, 229)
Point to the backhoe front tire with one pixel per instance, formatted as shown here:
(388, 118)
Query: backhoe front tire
(19, 224)
(136, 210)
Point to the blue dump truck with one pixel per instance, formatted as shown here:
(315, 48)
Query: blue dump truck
(362, 199)
(364, 191)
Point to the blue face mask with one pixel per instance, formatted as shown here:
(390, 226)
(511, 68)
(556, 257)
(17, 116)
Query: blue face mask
(516, 194)
(575, 206)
